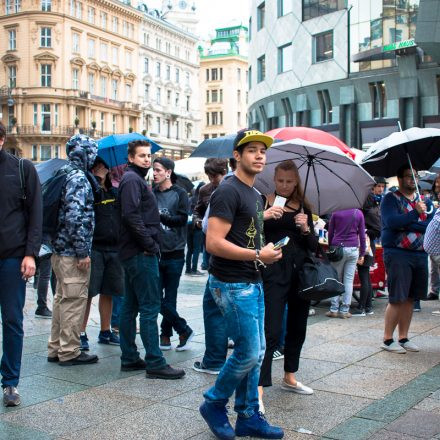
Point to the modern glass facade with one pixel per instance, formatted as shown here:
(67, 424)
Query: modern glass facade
(377, 23)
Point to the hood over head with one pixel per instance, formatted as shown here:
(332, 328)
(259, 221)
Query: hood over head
(82, 151)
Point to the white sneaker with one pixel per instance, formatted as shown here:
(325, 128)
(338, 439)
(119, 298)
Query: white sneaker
(436, 312)
(410, 346)
(394, 347)
(299, 388)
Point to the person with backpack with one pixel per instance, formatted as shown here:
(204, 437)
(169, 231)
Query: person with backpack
(20, 239)
(107, 275)
(72, 243)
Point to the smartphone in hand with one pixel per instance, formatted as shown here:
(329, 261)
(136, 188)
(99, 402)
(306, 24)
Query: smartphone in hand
(281, 243)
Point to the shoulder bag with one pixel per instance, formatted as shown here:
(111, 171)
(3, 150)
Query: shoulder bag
(318, 279)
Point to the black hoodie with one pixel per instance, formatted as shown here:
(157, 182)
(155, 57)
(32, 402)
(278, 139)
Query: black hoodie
(140, 222)
(21, 221)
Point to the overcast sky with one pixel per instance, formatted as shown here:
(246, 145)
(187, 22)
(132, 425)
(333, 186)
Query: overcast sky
(218, 13)
(215, 13)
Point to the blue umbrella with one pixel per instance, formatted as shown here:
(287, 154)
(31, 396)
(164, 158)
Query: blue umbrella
(220, 147)
(48, 168)
(113, 149)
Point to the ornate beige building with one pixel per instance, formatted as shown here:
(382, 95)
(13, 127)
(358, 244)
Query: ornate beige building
(67, 66)
(223, 83)
(169, 81)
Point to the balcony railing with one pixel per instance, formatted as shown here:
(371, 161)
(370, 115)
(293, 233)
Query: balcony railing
(32, 130)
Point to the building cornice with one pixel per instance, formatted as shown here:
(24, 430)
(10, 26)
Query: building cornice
(62, 17)
(169, 27)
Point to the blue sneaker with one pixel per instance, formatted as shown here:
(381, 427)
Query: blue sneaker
(108, 337)
(217, 419)
(84, 341)
(256, 426)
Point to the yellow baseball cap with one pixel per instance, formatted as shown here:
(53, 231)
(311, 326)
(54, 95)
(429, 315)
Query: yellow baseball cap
(246, 136)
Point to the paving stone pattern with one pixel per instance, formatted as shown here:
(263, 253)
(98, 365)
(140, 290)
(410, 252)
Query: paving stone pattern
(361, 392)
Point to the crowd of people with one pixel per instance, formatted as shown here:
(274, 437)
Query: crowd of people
(127, 245)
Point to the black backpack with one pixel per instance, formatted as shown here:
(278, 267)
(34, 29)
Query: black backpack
(52, 190)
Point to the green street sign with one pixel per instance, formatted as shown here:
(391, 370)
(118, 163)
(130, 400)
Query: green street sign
(399, 45)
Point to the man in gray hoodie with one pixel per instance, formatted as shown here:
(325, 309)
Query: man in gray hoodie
(172, 201)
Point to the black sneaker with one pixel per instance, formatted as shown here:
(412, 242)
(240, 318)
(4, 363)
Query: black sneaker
(197, 273)
(43, 313)
(358, 312)
(108, 337)
(278, 354)
(200, 368)
(82, 359)
(11, 397)
(166, 372)
(369, 311)
(432, 296)
(184, 340)
(133, 366)
(53, 359)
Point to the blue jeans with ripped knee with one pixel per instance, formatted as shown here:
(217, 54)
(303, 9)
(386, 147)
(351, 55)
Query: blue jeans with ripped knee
(242, 305)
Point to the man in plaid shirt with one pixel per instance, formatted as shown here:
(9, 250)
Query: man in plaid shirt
(432, 243)
(404, 221)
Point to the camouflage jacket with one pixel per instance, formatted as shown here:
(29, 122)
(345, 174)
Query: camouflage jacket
(76, 218)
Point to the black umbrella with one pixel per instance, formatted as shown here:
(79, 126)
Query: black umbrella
(220, 147)
(418, 147)
(47, 169)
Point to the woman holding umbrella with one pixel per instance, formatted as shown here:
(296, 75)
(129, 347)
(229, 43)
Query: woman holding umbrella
(281, 279)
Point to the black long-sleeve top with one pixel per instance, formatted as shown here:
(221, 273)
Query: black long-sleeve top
(299, 244)
(140, 222)
(21, 220)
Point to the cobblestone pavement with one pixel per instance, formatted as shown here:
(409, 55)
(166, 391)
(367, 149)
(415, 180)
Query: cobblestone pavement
(360, 391)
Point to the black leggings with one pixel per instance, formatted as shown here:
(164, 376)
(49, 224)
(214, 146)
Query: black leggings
(366, 291)
(280, 289)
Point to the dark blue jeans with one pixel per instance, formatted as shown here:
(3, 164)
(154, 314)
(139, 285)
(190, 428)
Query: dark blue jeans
(206, 256)
(116, 310)
(216, 337)
(194, 244)
(44, 275)
(142, 295)
(242, 305)
(170, 272)
(12, 297)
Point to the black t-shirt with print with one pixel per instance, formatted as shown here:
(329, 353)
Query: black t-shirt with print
(242, 207)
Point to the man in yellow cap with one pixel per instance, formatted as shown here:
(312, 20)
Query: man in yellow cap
(235, 241)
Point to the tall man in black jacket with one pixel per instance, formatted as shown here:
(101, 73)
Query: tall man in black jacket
(20, 240)
(139, 251)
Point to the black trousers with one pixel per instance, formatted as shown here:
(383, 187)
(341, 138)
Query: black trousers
(280, 284)
(366, 291)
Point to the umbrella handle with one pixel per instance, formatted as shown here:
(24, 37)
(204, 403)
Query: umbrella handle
(413, 175)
